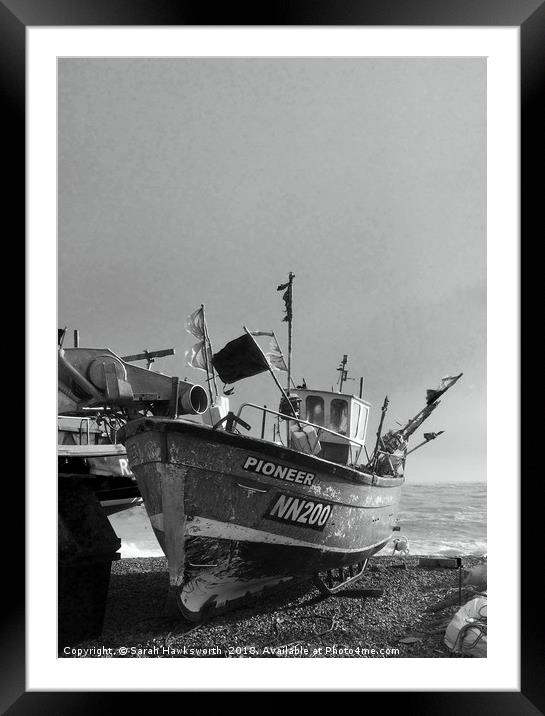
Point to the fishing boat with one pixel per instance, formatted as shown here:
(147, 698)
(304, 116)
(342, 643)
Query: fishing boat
(87, 448)
(239, 515)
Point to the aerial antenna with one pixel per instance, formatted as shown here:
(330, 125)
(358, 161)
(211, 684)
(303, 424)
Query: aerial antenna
(343, 372)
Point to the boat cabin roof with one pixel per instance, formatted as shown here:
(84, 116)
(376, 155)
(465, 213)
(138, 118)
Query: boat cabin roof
(328, 393)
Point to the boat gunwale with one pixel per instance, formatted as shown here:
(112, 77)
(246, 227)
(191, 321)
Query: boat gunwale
(163, 424)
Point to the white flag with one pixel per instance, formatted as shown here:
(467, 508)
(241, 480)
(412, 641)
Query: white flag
(275, 357)
(197, 358)
(195, 355)
(277, 361)
(195, 324)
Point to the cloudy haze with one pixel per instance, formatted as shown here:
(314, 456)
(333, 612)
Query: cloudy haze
(189, 181)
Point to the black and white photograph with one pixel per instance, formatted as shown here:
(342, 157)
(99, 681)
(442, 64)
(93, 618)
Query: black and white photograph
(272, 357)
(272, 354)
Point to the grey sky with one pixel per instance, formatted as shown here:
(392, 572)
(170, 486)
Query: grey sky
(195, 181)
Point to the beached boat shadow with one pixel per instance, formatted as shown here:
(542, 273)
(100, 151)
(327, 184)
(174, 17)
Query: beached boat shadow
(136, 604)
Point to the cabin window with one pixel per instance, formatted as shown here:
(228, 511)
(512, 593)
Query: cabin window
(363, 421)
(315, 410)
(356, 420)
(338, 414)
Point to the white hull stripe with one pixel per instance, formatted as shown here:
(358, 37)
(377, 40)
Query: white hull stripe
(201, 527)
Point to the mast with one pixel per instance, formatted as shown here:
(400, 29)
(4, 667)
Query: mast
(288, 302)
(289, 316)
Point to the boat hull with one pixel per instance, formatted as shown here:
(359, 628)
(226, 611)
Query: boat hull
(237, 516)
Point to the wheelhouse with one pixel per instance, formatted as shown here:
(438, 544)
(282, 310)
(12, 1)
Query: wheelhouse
(342, 413)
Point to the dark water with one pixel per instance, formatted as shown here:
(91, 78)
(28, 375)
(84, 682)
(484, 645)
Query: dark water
(444, 518)
(438, 519)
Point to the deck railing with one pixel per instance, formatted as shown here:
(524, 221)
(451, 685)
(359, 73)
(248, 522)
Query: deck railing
(352, 442)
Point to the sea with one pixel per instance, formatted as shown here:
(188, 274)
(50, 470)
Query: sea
(441, 519)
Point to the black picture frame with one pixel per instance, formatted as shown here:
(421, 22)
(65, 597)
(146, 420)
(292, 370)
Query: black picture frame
(529, 16)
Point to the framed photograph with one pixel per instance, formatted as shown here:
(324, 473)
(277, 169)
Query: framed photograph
(273, 248)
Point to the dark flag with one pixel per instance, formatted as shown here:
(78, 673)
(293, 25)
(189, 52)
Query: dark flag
(240, 358)
(444, 385)
(287, 299)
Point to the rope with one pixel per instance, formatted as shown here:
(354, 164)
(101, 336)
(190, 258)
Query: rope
(479, 624)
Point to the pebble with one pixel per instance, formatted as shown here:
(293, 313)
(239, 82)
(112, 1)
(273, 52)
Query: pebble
(299, 614)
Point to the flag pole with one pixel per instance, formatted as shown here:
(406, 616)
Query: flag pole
(431, 436)
(209, 369)
(290, 324)
(426, 411)
(288, 300)
(268, 365)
